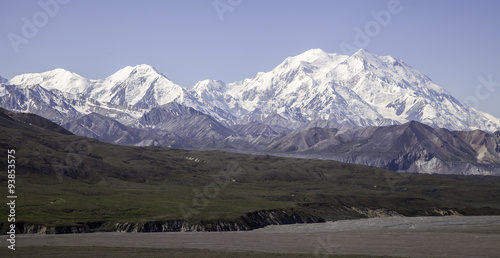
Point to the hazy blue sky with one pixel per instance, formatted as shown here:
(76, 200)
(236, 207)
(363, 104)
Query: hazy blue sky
(453, 42)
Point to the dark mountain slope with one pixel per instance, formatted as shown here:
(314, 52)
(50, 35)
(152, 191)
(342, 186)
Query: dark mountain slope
(195, 128)
(255, 135)
(105, 129)
(30, 122)
(411, 147)
(302, 140)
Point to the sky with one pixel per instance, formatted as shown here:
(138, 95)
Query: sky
(456, 43)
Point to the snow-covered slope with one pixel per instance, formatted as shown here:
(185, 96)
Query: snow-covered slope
(37, 100)
(58, 79)
(402, 93)
(211, 95)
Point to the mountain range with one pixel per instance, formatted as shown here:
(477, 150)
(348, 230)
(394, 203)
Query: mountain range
(315, 102)
(74, 184)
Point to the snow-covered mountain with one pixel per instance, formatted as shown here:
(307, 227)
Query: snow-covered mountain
(314, 87)
(359, 90)
(125, 96)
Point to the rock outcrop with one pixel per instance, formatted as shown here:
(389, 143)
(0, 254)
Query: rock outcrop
(250, 221)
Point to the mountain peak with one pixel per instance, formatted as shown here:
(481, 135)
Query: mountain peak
(315, 56)
(58, 79)
(368, 59)
(145, 68)
(312, 55)
(141, 70)
(362, 50)
(364, 54)
(415, 125)
(211, 85)
(59, 71)
(315, 51)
